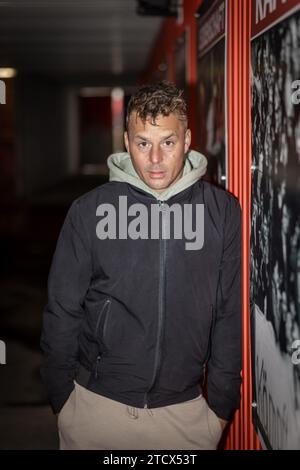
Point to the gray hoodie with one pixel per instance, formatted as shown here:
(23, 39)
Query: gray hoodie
(121, 169)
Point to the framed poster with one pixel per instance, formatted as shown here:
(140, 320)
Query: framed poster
(211, 96)
(275, 222)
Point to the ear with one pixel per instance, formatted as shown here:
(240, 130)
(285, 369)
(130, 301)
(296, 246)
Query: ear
(187, 140)
(126, 140)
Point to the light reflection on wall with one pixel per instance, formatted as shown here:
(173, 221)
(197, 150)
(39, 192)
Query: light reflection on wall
(117, 106)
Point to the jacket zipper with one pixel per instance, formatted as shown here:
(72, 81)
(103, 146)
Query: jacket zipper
(162, 265)
(106, 303)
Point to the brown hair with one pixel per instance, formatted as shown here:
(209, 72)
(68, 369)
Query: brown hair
(162, 98)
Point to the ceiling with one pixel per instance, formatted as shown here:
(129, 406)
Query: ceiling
(71, 39)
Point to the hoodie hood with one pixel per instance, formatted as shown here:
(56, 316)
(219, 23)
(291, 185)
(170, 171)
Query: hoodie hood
(121, 169)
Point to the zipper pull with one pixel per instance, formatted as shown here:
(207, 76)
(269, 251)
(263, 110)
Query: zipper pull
(145, 401)
(96, 369)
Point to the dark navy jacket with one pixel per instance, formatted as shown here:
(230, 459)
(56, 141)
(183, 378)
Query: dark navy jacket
(138, 321)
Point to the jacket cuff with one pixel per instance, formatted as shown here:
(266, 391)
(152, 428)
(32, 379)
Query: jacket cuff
(223, 407)
(57, 401)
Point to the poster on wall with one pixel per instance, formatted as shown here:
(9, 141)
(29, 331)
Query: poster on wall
(275, 222)
(211, 94)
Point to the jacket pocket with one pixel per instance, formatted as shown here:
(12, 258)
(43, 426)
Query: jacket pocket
(100, 332)
(102, 321)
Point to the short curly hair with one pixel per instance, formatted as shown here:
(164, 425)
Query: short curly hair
(162, 98)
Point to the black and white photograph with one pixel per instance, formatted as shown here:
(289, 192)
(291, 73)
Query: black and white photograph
(275, 232)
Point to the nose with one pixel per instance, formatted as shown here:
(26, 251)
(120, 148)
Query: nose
(155, 155)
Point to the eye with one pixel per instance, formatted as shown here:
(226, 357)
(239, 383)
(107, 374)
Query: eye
(169, 143)
(142, 145)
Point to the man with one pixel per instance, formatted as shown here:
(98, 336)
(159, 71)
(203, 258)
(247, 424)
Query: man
(137, 311)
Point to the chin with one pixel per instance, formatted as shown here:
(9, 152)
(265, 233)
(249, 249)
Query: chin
(158, 186)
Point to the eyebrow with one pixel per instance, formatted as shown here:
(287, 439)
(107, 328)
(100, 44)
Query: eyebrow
(138, 136)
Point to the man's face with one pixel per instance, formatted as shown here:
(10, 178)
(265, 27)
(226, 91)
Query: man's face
(158, 152)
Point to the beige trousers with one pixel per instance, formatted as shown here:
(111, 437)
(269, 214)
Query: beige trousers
(91, 421)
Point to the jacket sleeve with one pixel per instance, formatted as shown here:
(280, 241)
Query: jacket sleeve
(224, 365)
(68, 281)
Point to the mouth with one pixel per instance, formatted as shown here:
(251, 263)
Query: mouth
(156, 174)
